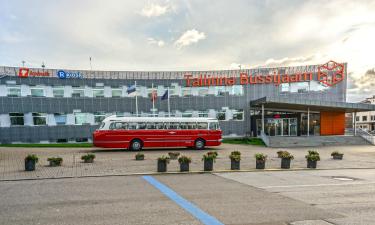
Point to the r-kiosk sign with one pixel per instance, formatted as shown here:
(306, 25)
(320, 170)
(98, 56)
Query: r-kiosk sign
(67, 75)
(329, 74)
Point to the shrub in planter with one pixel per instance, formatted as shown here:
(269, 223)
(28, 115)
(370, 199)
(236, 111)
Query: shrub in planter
(337, 155)
(162, 163)
(260, 160)
(235, 159)
(139, 156)
(312, 160)
(184, 163)
(208, 160)
(173, 155)
(88, 158)
(279, 153)
(214, 153)
(286, 158)
(55, 161)
(30, 162)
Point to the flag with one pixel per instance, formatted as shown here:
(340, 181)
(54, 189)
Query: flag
(154, 96)
(165, 95)
(131, 89)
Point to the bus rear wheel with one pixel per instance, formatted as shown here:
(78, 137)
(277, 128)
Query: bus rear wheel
(199, 144)
(136, 145)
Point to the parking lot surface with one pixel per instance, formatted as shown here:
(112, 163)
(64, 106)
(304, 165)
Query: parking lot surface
(120, 162)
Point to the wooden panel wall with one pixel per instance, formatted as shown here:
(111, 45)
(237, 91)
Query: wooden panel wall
(332, 123)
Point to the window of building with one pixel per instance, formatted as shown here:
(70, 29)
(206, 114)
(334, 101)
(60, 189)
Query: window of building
(80, 118)
(187, 114)
(284, 87)
(220, 115)
(98, 93)
(58, 91)
(37, 91)
(203, 91)
(99, 117)
(78, 92)
(116, 92)
(364, 118)
(357, 118)
(186, 91)
(14, 91)
(220, 90)
(237, 90)
(300, 87)
(16, 119)
(39, 118)
(238, 114)
(60, 118)
(203, 114)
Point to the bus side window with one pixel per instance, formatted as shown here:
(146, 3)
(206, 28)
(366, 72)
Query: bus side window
(184, 126)
(214, 126)
(141, 125)
(112, 126)
(159, 126)
(192, 126)
(202, 126)
(174, 126)
(151, 126)
(132, 126)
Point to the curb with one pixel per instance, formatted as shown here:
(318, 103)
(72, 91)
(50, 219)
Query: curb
(184, 173)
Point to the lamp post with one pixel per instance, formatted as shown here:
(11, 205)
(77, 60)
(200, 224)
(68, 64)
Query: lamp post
(23, 63)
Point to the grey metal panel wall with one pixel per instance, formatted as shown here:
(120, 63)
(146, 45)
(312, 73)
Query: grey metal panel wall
(67, 105)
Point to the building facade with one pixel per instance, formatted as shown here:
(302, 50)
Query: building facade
(54, 105)
(366, 120)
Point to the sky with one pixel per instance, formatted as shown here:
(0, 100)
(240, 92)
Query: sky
(191, 35)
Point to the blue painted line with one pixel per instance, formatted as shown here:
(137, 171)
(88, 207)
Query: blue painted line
(185, 204)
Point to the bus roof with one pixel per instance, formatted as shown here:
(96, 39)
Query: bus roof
(159, 119)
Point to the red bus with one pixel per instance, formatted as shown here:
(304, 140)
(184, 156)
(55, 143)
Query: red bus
(135, 133)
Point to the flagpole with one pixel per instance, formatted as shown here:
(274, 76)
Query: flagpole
(153, 99)
(169, 104)
(136, 98)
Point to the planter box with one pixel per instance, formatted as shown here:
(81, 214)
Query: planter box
(184, 167)
(338, 157)
(311, 164)
(140, 157)
(285, 163)
(53, 163)
(162, 166)
(234, 165)
(88, 160)
(208, 165)
(29, 165)
(260, 164)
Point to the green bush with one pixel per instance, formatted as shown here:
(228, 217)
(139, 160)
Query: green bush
(88, 156)
(313, 157)
(336, 153)
(235, 157)
(313, 152)
(56, 160)
(163, 159)
(32, 157)
(286, 155)
(213, 153)
(235, 153)
(279, 153)
(260, 157)
(209, 157)
(184, 159)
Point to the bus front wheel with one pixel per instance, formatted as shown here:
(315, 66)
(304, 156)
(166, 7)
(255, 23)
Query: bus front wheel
(199, 144)
(136, 145)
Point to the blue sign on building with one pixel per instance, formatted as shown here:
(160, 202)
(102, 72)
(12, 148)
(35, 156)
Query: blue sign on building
(64, 74)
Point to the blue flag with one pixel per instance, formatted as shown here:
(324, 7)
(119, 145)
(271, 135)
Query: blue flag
(131, 89)
(165, 95)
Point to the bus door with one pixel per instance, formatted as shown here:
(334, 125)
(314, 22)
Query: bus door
(153, 134)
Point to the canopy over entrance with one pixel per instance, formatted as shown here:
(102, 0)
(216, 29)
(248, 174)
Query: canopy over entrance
(314, 105)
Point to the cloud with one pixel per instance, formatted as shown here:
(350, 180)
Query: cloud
(153, 41)
(189, 37)
(154, 10)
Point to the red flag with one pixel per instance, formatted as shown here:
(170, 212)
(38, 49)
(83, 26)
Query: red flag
(154, 96)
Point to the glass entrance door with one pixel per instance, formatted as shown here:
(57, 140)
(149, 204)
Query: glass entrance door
(279, 126)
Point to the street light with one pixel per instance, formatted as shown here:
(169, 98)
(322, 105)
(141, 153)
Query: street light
(43, 66)
(23, 63)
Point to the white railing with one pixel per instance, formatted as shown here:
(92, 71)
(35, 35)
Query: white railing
(365, 135)
(265, 138)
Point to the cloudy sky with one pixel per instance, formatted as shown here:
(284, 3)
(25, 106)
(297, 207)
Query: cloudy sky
(191, 35)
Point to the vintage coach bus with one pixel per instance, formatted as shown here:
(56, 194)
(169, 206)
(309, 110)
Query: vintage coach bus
(135, 133)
